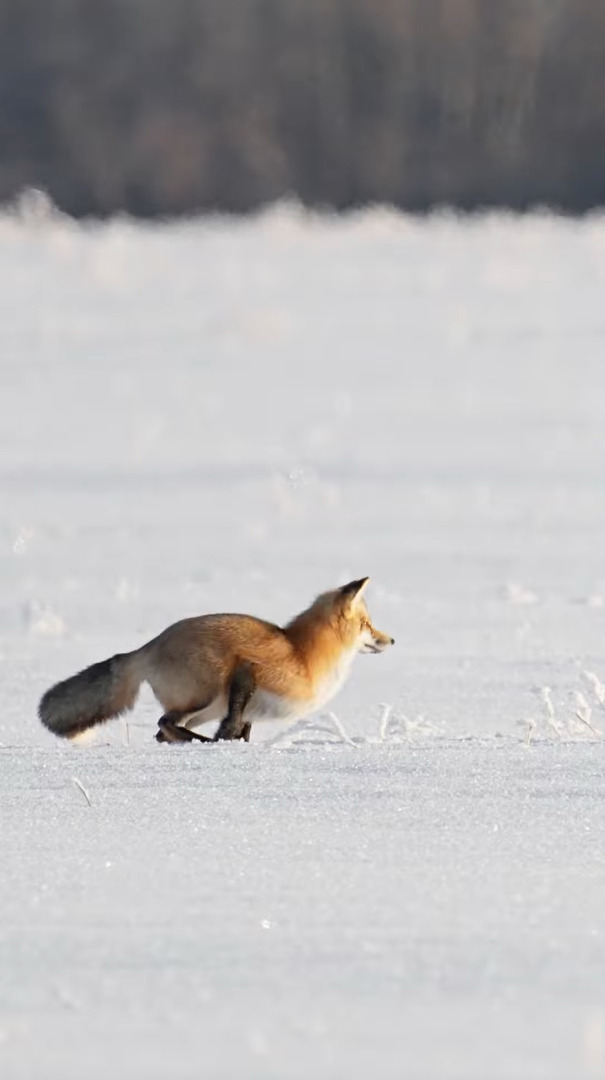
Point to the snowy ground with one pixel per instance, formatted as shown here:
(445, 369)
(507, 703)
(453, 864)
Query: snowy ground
(220, 416)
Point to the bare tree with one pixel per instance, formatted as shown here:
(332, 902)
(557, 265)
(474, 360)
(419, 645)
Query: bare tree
(170, 106)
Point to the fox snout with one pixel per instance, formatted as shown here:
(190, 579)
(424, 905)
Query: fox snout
(374, 641)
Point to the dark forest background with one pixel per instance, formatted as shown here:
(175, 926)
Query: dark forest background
(169, 106)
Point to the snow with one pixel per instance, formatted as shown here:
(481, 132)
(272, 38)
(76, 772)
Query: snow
(220, 415)
(428, 910)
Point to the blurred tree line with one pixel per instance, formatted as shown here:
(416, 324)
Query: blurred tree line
(167, 106)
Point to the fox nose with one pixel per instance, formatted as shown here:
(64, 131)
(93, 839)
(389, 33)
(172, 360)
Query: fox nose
(392, 641)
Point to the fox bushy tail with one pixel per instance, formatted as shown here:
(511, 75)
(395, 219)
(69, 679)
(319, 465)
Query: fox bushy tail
(100, 692)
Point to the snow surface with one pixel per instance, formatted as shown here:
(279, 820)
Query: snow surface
(222, 415)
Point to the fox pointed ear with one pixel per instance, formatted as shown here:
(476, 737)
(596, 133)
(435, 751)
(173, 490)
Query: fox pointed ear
(355, 590)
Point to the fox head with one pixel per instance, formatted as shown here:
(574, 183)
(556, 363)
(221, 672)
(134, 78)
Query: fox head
(330, 632)
(345, 613)
(357, 623)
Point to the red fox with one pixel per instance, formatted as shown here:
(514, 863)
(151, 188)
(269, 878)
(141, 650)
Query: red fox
(232, 668)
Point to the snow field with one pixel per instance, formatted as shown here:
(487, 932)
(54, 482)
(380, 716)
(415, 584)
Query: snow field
(220, 415)
(429, 910)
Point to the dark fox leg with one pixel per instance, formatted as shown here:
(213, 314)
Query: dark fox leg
(240, 691)
(170, 731)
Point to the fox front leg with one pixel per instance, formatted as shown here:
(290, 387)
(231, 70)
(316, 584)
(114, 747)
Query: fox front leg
(241, 689)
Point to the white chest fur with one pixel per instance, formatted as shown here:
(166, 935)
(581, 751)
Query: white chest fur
(335, 679)
(268, 706)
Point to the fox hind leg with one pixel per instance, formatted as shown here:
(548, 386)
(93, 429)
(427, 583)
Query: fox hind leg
(171, 727)
(170, 731)
(242, 687)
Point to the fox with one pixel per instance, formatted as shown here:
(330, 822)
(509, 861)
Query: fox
(234, 669)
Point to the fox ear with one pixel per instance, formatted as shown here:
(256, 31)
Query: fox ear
(354, 590)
